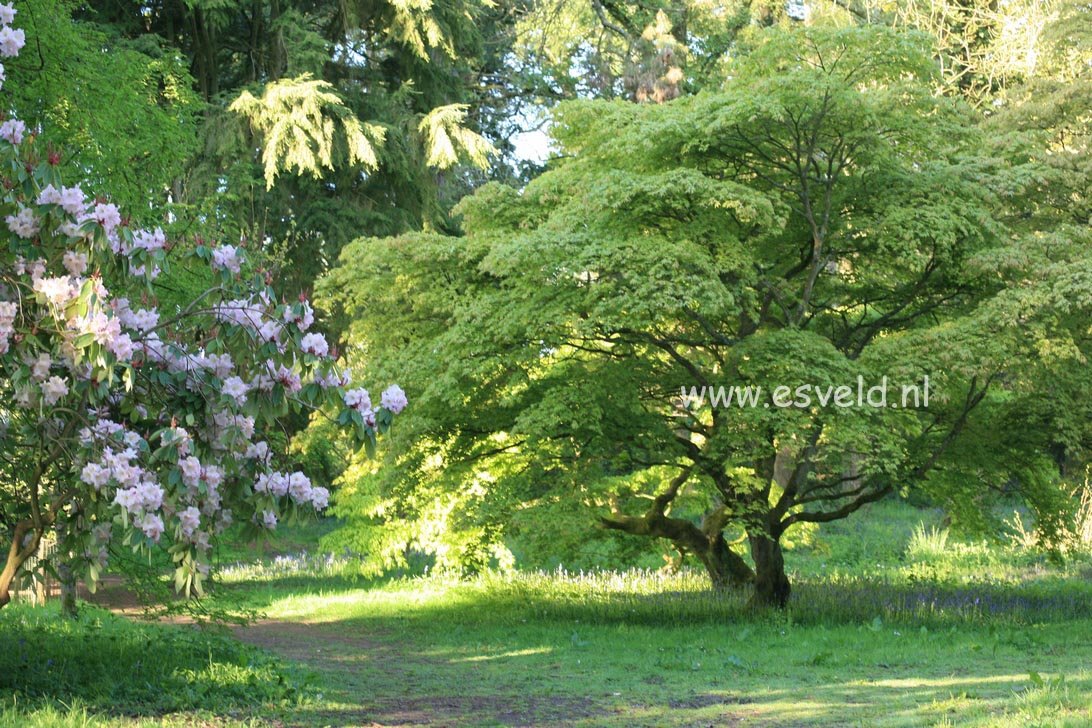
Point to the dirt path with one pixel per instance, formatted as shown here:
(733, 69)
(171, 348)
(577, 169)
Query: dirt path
(381, 680)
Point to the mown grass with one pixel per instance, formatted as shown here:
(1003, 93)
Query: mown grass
(893, 622)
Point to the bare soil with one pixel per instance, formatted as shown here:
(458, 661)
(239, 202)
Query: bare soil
(432, 692)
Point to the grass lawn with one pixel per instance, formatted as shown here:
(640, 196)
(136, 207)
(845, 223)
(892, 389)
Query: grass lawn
(886, 628)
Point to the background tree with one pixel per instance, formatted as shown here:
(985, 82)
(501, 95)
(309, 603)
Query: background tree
(408, 88)
(122, 111)
(825, 216)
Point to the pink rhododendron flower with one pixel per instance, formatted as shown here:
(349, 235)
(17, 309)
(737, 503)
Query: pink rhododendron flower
(191, 470)
(75, 263)
(358, 399)
(12, 129)
(190, 520)
(8, 310)
(108, 215)
(128, 499)
(302, 320)
(24, 224)
(154, 240)
(150, 495)
(315, 344)
(393, 399)
(299, 487)
(12, 41)
(39, 367)
(226, 257)
(235, 388)
(259, 451)
(49, 195)
(95, 475)
(121, 346)
(73, 200)
(221, 365)
(151, 525)
(58, 291)
(53, 389)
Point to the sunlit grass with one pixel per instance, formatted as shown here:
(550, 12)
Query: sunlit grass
(884, 629)
(283, 566)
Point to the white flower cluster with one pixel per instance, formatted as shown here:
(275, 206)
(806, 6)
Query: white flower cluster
(295, 485)
(393, 399)
(12, 40)
(227, 257)
(8, 312)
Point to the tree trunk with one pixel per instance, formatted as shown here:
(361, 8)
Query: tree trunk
(726, 568)
(65, 575)
(68, 590)
(17, 555)
(772, 587)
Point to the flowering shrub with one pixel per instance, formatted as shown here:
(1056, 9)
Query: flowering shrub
(132, 426)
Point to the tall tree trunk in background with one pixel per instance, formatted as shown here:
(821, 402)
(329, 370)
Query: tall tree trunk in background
(257, 59)
(204, 55)
(278, 53)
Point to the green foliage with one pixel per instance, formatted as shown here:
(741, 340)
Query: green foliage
(312, 128)
(647, 51)
(297, 118)
(825, 217)
(122, 111)
(447, 140)
(106, 661)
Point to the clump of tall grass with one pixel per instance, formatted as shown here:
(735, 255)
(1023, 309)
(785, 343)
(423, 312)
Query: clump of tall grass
(927, 544)
(1082, 526)
(48, 716)
(936, 588)
(636, 596)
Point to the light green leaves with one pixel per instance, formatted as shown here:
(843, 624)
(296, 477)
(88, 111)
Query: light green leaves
(302, 123)
(447, 140)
